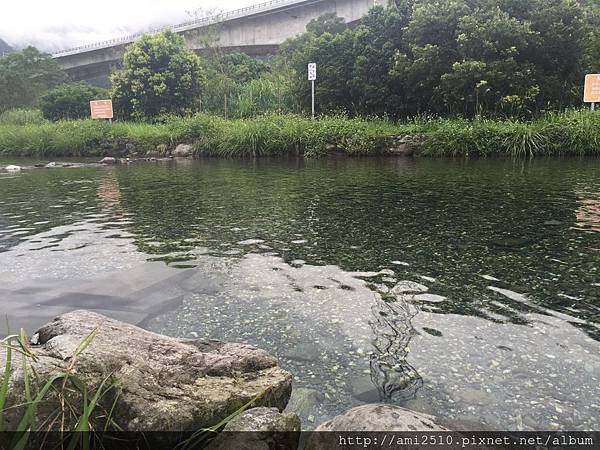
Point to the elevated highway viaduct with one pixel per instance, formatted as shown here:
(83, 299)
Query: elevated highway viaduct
(255, 30)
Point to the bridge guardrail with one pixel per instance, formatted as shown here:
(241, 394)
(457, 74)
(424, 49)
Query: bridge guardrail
(204, 21)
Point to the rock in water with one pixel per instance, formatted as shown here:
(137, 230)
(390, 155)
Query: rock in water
(381, 417)
(164, 384)
(130, 148)
(364, 389)
(183, 150)
(303, 401)
(371, 418)
(108, 160)
(258, 429)
(13, 168)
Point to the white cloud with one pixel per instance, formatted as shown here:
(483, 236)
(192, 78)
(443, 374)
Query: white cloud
(59, 24)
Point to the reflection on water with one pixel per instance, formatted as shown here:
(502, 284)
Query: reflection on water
(305, 259)
(588, 215)
(109, 192)
(394, 377)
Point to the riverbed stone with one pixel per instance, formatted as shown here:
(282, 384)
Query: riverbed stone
(163, 384)
(13, 168)
(130, 148)
(160, 150)
(473, 397)
(381, 417)
(404, 145)
(183, 151)
(303, 401)
(259, 429)
(407, 286)
(303, 352)
(371, 418)
(108, 160)
(364, 390)
(430, 298)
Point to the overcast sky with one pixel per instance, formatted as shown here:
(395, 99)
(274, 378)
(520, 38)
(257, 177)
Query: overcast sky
(58, 24)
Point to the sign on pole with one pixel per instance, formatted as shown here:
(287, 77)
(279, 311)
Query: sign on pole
(312, 76)
(101, 109)
(312, 71)
(592, 89)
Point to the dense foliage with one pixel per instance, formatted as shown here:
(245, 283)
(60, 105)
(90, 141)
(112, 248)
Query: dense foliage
(70, 101)
(159, 75)
(237, 85)
(26, 75)
(465, 57)
(493, 58)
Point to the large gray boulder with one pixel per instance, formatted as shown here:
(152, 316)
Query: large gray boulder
(161, 383)
(259, 429)
(372, 418)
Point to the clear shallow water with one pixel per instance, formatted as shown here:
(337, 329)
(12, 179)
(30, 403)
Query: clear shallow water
(299, 258)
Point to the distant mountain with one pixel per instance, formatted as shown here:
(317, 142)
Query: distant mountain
(5, 48)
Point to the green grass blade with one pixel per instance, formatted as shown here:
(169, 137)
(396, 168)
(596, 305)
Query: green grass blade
(203, 434)
(5, 380)
(22, 436)
(85, 343)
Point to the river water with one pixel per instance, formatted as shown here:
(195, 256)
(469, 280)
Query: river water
(310, 260)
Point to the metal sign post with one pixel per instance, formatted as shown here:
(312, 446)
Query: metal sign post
(312, 76)
(591, 92)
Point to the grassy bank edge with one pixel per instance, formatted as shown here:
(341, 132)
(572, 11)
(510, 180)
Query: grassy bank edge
(574, 132)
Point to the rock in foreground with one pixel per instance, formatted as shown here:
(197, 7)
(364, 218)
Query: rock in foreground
(371, 418)
(163, 384)
(259, 429)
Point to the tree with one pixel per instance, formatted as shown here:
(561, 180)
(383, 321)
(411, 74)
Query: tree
(326, 23)
(25, 75)
(380, 33)
(242, 68)
(70, 101)
(465, 57)
(334, 58)
(160, 75)
(491, 71)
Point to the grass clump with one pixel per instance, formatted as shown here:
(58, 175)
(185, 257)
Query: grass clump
(80, 408)
(274, 135)
(574, 132)
(22, 117)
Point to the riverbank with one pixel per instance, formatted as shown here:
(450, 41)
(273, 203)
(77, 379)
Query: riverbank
(570, 133)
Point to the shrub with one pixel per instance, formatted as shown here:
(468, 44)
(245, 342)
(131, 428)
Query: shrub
(70, 101)
(160, 75)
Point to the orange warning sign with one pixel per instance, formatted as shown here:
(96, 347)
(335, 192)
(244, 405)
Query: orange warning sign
(592, 89)
(101, 109)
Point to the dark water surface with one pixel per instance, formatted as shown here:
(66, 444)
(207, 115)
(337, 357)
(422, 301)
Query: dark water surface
(310, 259)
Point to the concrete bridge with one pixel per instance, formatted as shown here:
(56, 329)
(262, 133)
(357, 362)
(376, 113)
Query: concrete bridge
(255, 30)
